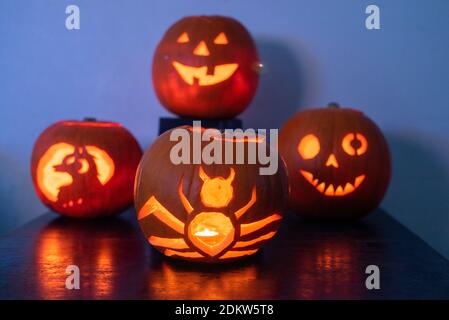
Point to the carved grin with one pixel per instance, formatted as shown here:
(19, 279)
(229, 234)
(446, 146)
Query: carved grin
(331, 190)
(221, 73)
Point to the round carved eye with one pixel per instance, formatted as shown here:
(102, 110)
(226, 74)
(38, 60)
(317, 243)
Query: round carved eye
(309, 146)
(354, 144)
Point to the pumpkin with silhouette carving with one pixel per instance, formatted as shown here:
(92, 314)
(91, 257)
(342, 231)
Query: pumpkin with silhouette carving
(206, 67)
(338, 162)
(207, 212)
(85, 168)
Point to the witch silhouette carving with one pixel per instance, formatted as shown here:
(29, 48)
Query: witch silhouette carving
(82, 168)
(76, 179)
(85, 169)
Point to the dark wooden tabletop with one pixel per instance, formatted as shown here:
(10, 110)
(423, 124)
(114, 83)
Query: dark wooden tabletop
(305, 261)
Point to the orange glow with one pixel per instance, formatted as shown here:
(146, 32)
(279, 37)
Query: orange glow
(103, 162)
(347, 144)
(49, 180)
(171, 243)
(331, 190)
(52, 259)
(246, 207)
(91, 124)
(196, 129)
(152, 206)
(50, 255)
(237, 254)
(105, 265)
(170, 281)
(56, 249)
(254, 226)
(183, 198)
(183, 38)
(206, 233)
(84, 166)
(309, 146)
(216, 192)
(221, 39)
(211, 232)
(71, 160)
(169, 252)
(244, 244)
(320, 187)
(221, 73)
(201, 49)
(332, 161)
(258, 139)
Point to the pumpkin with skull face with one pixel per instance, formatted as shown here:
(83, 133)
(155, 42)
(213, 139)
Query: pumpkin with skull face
(206, 67)
(85, 168)
(207, 212)
(338, 162)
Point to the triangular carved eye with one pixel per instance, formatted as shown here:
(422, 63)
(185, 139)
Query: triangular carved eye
(183, 38)
(221, 39)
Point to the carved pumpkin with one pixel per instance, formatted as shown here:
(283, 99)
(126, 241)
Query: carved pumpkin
(206, 67)
(337, 160)
(85, 168)
(206, 213)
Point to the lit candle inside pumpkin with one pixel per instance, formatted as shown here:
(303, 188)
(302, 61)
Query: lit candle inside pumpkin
(206, 233)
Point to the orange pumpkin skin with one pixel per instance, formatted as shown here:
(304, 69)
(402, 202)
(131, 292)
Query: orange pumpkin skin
(85, 169)
(249, 205)
(338, 163)
(206, 67)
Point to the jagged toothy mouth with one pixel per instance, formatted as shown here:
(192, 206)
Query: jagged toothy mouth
(328, 189)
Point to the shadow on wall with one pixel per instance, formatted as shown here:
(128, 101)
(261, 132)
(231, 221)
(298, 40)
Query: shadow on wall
(7, 219)
(419, 190)
(16, 190)
(286, 84)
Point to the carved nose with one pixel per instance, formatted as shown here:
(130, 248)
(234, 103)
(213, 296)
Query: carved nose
(332, 161)
(201, 49)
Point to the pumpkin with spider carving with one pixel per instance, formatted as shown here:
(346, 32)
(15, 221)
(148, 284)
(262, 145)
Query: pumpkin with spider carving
(207, 212)
(338, 162)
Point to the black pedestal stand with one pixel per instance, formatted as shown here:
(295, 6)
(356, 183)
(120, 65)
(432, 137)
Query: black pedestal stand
(220, 124)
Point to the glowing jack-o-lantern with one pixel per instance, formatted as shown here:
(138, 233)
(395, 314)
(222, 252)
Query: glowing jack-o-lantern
(338, 162)
(85, 168)
(206, 213)
(206, 67)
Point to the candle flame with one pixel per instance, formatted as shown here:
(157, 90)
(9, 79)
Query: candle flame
(206, 233)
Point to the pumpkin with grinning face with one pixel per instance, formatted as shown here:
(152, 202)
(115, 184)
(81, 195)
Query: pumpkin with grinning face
(337, 160)
(206, 67)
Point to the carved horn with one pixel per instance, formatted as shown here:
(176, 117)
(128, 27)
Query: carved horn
(203, 175)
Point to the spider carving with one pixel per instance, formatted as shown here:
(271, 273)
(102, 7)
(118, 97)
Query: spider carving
(208, 232)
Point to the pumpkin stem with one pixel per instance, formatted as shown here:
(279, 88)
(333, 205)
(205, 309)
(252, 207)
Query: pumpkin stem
(333, 105)
(90, 119)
